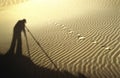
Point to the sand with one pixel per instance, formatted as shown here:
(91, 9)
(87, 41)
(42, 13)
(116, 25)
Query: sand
(87, 44)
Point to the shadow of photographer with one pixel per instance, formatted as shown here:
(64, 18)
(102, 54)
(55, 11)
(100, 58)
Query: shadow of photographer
(15, 65)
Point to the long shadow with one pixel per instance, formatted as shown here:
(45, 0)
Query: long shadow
(15, 65)
(23, 67)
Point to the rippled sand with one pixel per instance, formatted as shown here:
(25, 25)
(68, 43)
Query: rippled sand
(89, 44)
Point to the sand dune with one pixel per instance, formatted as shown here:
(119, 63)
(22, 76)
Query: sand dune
(4, 3)
(87, 44)
(96, 56)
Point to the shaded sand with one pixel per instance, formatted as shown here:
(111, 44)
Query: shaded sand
(13, 66)
(92, 48)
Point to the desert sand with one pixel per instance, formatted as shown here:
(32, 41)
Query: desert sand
(95, 52)
(87, 44)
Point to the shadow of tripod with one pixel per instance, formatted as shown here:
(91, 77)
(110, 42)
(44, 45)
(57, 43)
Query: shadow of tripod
(40, 48)
(16, 43)
(20, 66)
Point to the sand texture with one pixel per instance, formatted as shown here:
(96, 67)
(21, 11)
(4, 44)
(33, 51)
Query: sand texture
(86, 41)
(88, 44)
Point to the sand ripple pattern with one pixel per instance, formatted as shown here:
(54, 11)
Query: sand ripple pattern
(4, 3)
(89, 44)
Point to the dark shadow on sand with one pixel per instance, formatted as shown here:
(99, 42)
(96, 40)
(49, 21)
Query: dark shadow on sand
(15, 65)
(23, 67)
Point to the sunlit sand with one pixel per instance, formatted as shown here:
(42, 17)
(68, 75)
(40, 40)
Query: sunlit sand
(80, 36)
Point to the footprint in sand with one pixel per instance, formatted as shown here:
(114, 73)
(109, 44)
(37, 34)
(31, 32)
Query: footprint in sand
(64, 27)
(94, 42)
(108, 48)
(70, 32)
(80, 37)
(55, 23)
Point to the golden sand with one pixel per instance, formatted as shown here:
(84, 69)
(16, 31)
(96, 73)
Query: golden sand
(89, 44)
(92, 48)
